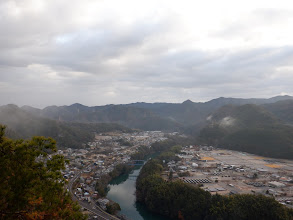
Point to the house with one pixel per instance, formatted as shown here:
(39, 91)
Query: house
(276, 184)
(103, 203)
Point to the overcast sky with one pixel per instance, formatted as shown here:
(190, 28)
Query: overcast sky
(95, 52)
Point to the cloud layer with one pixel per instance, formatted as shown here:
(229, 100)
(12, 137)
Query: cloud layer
(101, 52)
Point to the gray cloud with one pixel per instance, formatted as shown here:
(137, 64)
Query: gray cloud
(52, 56)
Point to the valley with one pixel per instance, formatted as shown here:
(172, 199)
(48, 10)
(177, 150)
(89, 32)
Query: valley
(223, 147)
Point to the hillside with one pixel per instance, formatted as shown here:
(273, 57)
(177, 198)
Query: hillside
(188, 117)
(22, 124)
(121, 114)
(230, 120)
(282, 109)
(191, 113)
(248, 128)
(31, 181)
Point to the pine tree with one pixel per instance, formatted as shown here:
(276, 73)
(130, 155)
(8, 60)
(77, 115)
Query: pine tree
(31, 182)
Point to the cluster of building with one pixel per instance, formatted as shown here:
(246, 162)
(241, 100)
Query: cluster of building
(215, 170)
(232, 172)
(99, 157)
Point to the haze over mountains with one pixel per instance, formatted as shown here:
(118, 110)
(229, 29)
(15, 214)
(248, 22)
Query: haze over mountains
(229, 118)
(249, 128)
(22, 124)
(147, 116)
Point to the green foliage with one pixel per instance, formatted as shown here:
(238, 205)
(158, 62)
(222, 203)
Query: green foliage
(101, 186)
(187, 117)
(179, 200)
(125, 115)
(123, 142)
(282, 109)
(256, 207)
(112, 208)
(171, 144)
(176, 149)
(169, 198)
(31, 183)
(170, 176)
(168, 156)
(186, 173)
(67, 134)
(253, 130)
(102, 183)
(163, 145)
(142, 152)
(120, 169)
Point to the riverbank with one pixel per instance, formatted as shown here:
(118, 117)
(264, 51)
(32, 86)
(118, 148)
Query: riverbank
(122, 190)
(102, 183)
(124, 186)
(179, 200)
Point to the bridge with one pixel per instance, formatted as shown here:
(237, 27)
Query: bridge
(132, 176)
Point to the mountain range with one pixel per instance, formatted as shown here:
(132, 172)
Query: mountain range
(147, 116)
(187, 117)
(23, 124)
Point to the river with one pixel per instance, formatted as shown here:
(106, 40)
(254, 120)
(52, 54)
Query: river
(122, 191)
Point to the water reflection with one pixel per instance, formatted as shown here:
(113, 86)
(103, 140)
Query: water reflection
(122, 191)
(120, 179)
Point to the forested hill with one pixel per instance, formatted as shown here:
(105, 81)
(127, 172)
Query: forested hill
(77, 122)
(249, 128)
(282, 109)
(22, 124)
(191, 113)
(188, 116)
(125, 115)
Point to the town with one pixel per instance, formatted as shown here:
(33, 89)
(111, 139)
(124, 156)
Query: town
(231, 172)
(215, 170)
(98, 158)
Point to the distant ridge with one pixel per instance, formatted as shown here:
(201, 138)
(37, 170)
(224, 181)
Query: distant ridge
(23, 124)
(248, 128)
(188, 116)
(282, 109)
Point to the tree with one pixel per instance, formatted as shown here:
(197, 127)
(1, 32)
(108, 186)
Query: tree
(171, 175)
(31, 182)
(179, 200)
(113, 207)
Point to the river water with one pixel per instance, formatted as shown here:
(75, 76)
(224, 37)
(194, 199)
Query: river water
(122, 191)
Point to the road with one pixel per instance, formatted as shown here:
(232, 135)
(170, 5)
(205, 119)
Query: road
(96, 210)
